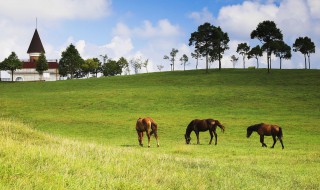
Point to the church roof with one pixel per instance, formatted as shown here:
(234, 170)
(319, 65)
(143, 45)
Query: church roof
(36, 45)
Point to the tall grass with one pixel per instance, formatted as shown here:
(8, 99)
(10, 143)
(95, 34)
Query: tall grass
(80, 134)
(33, 160)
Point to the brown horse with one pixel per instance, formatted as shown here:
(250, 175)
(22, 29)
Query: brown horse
(266, 129)
(198, 125)
(149, 126)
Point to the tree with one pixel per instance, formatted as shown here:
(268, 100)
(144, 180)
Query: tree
(41, 65)
(90, 66)
(282, 50)
(173, 54)
(160, 67)
(11, 63)
(123, 63)
(210, 42)
(234, 60)
(135, 64)
(184, 59)
(267, 32)
(243, 50)
(111, 68)
(306, 47)
(97, 69)
(145, 64)
(255, 52)
(70, 62)
(196, 55)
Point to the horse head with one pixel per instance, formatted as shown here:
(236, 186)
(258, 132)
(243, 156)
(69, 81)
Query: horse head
(188, 138)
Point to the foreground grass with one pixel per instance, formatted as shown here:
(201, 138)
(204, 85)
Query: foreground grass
(80, 133)
(33, 160)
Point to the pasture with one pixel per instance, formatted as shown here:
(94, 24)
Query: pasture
(80, 134)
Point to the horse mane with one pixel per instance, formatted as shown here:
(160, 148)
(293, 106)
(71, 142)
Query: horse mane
(255, 127)
(190, 128)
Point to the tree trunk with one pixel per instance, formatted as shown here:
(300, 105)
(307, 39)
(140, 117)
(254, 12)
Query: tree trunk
(244, 61)
(280, 62)
(305, 61)
(309, 61)
(197, 64)
(257, 63)
(12, 75)
(207, 64)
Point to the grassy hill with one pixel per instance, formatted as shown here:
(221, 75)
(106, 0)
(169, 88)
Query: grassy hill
(85, 129)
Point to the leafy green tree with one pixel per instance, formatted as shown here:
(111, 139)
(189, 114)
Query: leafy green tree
(111, 68)
(11, 63)
(123, 63)
(221, 40)
(184, 59)
(243, 50)
(173, 54)
(89, 66)
(255, 52)
(98, 69)
(267, 32)
(41, 65)
(70, 62)
(306, 47)
(282, 50)
(210, 42)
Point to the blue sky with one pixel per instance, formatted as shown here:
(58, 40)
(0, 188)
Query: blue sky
(149, 29)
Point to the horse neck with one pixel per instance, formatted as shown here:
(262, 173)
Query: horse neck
(189, 129)
(255, 127)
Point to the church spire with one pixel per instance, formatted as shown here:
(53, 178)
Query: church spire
(35, 47)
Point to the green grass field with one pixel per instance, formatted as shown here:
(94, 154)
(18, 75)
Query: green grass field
(80, 134)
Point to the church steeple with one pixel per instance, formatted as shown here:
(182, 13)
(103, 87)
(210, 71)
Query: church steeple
(36, 47)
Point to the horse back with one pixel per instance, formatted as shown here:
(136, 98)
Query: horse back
(201, 124)
(268, 130)
(146, 124)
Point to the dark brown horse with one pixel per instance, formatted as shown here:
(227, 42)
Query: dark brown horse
(198, 125)
(149, 126)
(266, 130)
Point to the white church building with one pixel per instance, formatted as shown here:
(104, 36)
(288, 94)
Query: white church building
(28, 71)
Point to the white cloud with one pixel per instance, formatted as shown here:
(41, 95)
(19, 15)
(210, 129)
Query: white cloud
(242, 19)
(163, 29)
(294, 17)
(201, 17)
(314, 6)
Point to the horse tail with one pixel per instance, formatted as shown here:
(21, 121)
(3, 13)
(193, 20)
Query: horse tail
(280, 136)
(222, 128)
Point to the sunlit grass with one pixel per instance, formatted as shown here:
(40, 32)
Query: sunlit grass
(80, 134)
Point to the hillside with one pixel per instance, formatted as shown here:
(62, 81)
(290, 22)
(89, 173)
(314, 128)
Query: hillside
(64, 134)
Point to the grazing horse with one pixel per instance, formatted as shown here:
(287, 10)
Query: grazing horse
(266, 129)
(149, 126)
(198, 125)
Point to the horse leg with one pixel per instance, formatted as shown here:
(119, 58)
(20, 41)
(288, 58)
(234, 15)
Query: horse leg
(197, 134)
(274, 140)
(216, 137)
(156, 136)
(148, 134)
(262, 141)
(281, 142)
(140, 137)
(211, 136)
